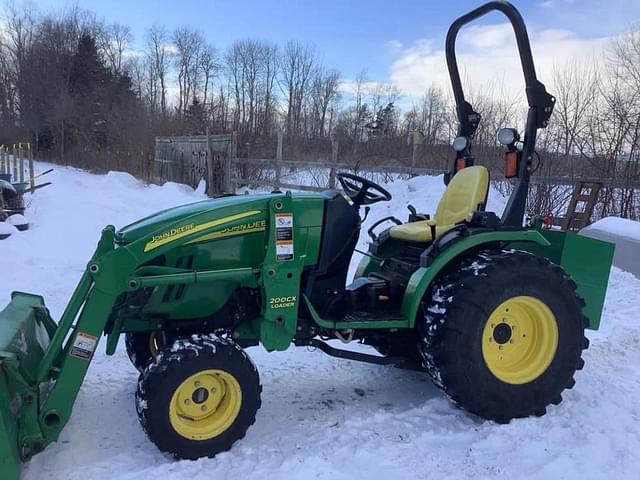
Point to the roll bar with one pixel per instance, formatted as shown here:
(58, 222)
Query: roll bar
(539, 100)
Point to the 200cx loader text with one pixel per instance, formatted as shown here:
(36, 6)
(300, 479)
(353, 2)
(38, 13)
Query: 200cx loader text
(493, 310)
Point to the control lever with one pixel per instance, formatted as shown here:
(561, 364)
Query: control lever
(414, 216)
(366, 214)
(373, 236)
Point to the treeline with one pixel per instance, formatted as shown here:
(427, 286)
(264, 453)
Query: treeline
(85, 95)
(77, 89)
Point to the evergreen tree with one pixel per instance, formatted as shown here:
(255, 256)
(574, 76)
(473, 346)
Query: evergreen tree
(383, 123)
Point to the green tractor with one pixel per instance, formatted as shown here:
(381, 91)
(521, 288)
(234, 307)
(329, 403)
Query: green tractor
(493, 310)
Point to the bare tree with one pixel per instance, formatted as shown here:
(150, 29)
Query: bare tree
(270, 63)
(209, 66)
(361, 109)
(114, 40)
(324, 93)
(296, 67)
(189, 44)
(159, 55)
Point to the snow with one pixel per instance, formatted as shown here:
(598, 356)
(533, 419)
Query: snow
(7, 229)
(17, 220)
(618, 226)
(321, 417)
(625, 234)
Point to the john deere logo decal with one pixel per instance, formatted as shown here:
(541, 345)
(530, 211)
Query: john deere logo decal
(172, 233)
(190, 229)
(257, 226)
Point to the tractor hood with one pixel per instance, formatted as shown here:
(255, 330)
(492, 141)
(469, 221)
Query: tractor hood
(150, 224)
(309, 212)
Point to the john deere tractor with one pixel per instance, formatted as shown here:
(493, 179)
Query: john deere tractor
(493, 310)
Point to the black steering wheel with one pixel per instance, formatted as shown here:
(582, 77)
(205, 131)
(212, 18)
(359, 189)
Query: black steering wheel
(362, 191)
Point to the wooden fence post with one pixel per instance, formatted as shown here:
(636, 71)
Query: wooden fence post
(417, 141)
(211, 187)
(228, 185)
(279, 158)
(334, 161)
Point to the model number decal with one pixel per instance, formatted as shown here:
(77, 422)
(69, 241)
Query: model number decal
(283, 302)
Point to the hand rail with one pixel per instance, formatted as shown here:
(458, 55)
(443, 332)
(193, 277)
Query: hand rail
(539, 100)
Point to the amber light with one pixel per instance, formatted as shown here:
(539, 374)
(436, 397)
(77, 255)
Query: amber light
(460, 164)
(511, 164)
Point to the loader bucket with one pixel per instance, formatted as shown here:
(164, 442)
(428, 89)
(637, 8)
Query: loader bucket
(25, 332)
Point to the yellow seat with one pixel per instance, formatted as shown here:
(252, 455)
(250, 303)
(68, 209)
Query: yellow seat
(465, 194)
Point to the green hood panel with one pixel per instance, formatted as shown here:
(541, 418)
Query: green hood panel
(235, 203)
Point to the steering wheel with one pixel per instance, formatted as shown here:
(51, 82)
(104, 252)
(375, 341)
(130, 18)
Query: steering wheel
(362, 191)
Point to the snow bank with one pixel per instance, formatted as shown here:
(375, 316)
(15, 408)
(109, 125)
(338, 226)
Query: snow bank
(66, 220)
(622, 227)
(6, 229)
(321, 417)
(17, 220)
(625, 234)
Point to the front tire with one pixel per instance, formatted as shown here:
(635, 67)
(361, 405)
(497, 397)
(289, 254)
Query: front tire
(503, 334)
(198, 397)
(144, 346)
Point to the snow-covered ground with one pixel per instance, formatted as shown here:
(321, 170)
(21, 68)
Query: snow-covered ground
(321, 418)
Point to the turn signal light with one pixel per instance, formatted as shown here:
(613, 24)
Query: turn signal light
(511, 164)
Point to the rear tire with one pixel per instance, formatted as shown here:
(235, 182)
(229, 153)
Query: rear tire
(198, 397)
(473, 334)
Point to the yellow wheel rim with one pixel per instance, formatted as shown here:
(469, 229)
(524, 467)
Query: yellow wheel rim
(205, 405)
(520, 339)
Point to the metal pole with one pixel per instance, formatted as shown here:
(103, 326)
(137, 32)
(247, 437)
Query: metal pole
(32, 173)
(15, 164)
(3, 167)
(21, 160)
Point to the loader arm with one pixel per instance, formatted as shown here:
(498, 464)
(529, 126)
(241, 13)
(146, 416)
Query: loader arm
(42, 377)
(64, 363)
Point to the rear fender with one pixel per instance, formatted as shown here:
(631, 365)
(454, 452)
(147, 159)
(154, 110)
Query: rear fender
(423, 277)
(587, 260)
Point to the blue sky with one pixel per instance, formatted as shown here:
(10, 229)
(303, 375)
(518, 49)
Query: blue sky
(374, 34)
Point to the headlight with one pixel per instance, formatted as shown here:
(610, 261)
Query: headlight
(460, 143)
(508, 136)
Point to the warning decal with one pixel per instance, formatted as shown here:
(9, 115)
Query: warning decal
(284, 237)
(83, 346)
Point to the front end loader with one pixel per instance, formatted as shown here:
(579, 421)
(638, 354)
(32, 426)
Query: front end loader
(492, 309)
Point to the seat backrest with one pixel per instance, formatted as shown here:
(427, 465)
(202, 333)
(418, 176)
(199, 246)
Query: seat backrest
(465, 194)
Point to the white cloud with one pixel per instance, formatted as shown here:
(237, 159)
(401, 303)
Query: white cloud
(351, 86)
(488, 55)
(487, 36)
(394, 45)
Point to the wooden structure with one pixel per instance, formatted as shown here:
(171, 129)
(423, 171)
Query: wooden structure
(189, 159)
(16, 164)
(583, 201)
